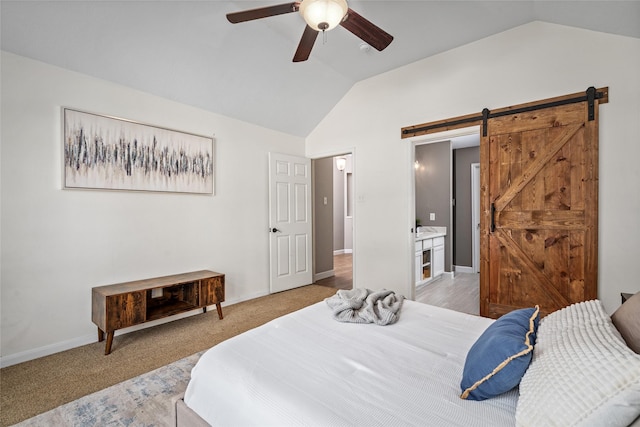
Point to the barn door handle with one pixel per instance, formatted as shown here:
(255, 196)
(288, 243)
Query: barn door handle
(493, 217)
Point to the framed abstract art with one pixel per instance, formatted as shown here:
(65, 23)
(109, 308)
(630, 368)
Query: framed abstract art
(103, 152)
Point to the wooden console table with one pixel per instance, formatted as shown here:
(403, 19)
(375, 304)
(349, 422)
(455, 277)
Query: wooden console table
(132, 303)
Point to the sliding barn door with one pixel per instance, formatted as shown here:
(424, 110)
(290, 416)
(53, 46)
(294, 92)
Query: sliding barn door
(539, 203)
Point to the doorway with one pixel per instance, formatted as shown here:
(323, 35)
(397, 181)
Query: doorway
(333, 221)
(452, 174)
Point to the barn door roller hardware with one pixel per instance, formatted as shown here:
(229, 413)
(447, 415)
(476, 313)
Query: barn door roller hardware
(590, 96)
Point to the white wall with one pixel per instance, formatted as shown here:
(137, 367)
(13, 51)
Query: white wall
(57, 244)
(528, 63)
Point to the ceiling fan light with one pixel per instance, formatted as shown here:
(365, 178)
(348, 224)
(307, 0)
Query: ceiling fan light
(323, 15)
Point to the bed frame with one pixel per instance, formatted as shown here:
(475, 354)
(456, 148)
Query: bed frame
(186, 417)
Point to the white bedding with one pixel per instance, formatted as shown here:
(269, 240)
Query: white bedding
(308, 369)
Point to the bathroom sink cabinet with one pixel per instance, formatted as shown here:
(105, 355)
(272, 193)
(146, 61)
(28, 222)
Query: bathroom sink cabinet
(438, 256)
(429, 263)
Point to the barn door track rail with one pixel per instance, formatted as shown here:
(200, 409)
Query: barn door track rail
(590, 96)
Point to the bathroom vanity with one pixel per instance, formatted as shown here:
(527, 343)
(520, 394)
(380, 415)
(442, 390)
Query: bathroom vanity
(429, 253)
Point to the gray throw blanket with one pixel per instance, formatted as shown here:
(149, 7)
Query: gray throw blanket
(365, 306)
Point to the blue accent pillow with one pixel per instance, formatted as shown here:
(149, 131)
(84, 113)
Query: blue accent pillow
(499, 358)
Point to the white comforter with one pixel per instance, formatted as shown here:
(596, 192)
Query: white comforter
(308, 369)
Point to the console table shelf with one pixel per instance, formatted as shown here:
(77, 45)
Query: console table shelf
(127, 304)
(154, 313)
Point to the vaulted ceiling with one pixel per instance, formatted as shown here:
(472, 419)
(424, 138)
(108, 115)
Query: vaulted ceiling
(188, 52)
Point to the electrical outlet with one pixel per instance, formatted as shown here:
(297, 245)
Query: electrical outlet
(432, 216)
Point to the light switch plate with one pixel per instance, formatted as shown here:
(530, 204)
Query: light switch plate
(432, 216)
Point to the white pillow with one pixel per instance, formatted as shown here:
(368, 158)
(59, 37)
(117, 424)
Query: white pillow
(582, 372)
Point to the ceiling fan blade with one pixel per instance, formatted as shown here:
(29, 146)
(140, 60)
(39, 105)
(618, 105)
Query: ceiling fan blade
(262, 12)
(306, 44)
(367, 31)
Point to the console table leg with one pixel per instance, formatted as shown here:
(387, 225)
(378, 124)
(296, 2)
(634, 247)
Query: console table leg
(100, 335)
(107, 346)
(219, 308)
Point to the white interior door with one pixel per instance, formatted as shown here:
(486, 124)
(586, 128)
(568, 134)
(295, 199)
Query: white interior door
(289, 221)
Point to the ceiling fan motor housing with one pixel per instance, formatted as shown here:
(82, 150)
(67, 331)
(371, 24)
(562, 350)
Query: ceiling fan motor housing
(323, 15)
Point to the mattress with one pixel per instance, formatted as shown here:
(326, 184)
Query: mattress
(307, 369)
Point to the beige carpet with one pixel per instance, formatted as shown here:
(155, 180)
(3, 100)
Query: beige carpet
(33, 387)
(146, 400)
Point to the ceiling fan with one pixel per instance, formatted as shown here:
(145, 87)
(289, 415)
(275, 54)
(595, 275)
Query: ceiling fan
(320, 15)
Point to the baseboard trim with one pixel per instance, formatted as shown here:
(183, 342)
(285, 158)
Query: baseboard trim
(323, 275)
(462, 269)
(342, 251)
(47, 350)
(36, 353)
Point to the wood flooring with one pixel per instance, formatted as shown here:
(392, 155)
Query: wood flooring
(461, 293)
(343, 269)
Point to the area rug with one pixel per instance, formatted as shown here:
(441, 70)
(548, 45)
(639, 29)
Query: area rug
(146, 400)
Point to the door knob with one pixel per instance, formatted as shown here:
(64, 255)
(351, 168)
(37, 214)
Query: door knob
(274, 230)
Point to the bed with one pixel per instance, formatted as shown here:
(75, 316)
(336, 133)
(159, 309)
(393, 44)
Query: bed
(306, 368)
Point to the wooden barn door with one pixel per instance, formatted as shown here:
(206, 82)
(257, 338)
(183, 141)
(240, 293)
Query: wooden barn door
(539, 205)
